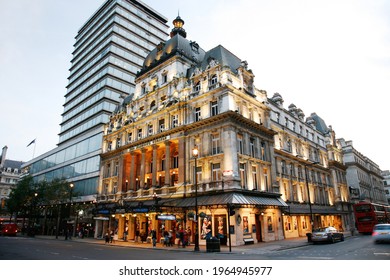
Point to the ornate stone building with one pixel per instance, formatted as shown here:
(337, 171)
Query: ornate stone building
(189, 99)
(10, 171)
(363, 175)
(310, 173)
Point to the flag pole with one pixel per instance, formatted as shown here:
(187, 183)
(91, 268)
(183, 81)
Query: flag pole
(35, 143)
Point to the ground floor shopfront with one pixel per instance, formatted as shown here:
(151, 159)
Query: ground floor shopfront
(239, 216)
(297, 220)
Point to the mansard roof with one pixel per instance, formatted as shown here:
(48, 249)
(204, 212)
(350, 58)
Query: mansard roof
(320, 123)
(14, 164)
(177, 45)
(223, 56)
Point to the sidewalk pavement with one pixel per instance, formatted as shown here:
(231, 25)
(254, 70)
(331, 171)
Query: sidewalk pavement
(257, 248)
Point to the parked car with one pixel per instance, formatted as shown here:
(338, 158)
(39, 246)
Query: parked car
(381, 233)
(326, 234)
(9, 229)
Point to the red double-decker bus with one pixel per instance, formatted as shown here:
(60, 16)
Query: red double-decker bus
(368, 214)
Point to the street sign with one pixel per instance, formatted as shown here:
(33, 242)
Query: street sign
(140, 210)
(166, 217)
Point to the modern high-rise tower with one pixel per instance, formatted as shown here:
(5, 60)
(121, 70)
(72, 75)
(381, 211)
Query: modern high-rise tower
(110, 49)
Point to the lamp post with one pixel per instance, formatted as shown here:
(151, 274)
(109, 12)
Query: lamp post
(68, 233)
(308, 192)
(195, 153)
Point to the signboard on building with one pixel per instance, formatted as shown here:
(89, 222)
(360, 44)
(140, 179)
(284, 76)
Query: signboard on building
(166, 217)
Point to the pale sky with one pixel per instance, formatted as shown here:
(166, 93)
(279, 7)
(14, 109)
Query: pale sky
(331, 57)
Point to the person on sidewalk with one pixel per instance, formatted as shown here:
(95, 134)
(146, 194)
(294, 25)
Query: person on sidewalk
(107, 238)
(153, 234)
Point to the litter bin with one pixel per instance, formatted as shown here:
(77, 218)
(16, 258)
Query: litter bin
(308, 236)
(213, 245)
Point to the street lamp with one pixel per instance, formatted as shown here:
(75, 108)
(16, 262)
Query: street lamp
(195, 153)
(308, 192)
(67, 231)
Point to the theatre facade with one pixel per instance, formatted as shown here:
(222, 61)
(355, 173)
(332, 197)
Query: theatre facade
(196, 136)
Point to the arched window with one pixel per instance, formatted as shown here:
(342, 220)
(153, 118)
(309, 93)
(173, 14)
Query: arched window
(153, 104)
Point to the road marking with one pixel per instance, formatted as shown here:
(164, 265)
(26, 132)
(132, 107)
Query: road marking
(315, 258)
(386, 254)
(54, 253)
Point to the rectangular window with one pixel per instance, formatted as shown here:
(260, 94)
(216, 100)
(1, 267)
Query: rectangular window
(130, 137)
(242, 175)
(216, 172)
(164, 78)
(150, 129)
(139, 133)
(176, 162)
(252, 147)
(199, 174)
(161, 125)
(263, 153)
(115, 189)
(215, 144)
(108, 170)
(214, 108)
(175, 120)
(116, 169)
(254, 177)
(240, 144)
(198, 116)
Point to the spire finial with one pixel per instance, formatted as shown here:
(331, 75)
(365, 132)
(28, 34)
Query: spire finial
(178, 27)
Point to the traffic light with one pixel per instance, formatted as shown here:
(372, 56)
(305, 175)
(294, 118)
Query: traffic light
(232, 212)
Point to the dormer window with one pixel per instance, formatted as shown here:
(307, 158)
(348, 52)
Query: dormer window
(196, 88)
(143, 89)
(195, 47)
(213, 80)
(164, 77)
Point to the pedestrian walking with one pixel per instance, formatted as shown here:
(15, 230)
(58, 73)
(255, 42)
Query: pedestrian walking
(154, 237)
(107, 238)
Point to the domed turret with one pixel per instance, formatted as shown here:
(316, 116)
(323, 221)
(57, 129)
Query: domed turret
(178, 27)
(176, 45)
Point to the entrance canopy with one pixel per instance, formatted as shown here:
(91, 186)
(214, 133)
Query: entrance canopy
(241, 199)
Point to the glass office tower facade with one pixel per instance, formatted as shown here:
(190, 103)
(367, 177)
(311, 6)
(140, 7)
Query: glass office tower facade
(109, 51)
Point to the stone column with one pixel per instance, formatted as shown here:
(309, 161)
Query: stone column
(154, 166)
(182, 159)
(142, 172)
(167, 162)
(133, 171)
